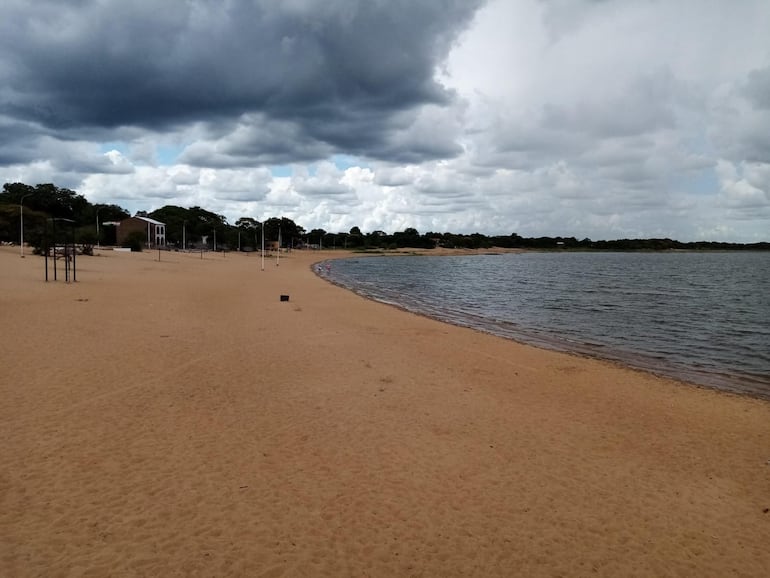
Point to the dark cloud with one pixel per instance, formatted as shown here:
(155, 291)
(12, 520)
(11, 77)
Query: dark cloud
(256, 140)
(585, 117)
(322, 189)
(19, 142)
(24, 142)
(84, 163)
(338, 70)
(758, 88)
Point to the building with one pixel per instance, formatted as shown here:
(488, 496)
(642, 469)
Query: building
(155, 231)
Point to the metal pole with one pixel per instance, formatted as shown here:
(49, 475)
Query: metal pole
(184, 238)
(45, 244)
(67, 264)
(215, 240)
(263, 246)
(278, 254)
(21, 224)
(55, 275)
(98, 245)
(74, 262)
(21, 227)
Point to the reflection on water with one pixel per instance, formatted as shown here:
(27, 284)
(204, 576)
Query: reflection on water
(702, 317)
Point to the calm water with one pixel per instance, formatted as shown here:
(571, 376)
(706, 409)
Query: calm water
(702, 317)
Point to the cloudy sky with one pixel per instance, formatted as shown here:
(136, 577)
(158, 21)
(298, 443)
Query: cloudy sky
(588, 118)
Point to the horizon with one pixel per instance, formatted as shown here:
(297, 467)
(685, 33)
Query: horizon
(580, 242)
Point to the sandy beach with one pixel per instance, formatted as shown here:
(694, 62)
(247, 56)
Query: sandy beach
(174, 417)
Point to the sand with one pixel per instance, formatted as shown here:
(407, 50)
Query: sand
(176, 418)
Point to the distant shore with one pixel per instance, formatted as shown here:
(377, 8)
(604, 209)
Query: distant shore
(176, 417)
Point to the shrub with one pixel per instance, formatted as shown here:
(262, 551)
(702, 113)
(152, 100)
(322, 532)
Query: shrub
(135, 240)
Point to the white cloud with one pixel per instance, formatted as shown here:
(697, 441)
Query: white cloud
(745, 186)
(570, 117)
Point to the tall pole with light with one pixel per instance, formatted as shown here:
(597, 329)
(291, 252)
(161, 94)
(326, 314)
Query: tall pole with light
(21, 224)
(278, 254)
(98, 244)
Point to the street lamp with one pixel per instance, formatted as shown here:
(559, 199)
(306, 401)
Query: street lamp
(21, 223)
(97, 227)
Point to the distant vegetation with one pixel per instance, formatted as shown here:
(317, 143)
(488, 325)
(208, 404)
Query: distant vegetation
(194, 225)
(45, 202)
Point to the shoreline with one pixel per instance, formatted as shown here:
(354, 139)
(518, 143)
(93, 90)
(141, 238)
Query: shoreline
(747, 386)
(556, 347)
(175, 417)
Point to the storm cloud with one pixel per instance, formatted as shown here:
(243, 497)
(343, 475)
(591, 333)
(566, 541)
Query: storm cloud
(333, 75)
(599, 119)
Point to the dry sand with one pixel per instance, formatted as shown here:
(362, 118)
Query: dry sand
(175, 418)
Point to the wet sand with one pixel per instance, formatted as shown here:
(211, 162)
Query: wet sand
(176, 418)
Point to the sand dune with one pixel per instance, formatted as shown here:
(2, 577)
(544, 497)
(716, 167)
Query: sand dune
(175, 418)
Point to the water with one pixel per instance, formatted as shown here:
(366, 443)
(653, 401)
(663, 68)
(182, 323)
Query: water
(700, 317)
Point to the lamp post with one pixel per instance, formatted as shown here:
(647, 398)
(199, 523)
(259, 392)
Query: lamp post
(98, 246)
(21, 224)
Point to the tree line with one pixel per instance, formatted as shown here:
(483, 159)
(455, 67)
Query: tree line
(44, 202)
(196, 227)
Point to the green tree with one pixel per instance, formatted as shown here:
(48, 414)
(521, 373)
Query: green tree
(86, 237)
(10, 223)
(291, 233)
(192, 224)
(355, 238)
(247, 224)
(178, 224)
(136, 240)
(251, 232)
(316, 237)
(376, 239)
(46, 201)
(410, 237)
(48, 198)
(105, 234)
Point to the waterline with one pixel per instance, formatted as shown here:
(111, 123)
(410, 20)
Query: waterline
(698, 317)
